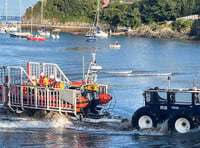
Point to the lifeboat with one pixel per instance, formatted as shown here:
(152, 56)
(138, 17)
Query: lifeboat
(82, 102)
(104, 98)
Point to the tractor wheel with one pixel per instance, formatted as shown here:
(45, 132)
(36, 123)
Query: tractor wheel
(143, 119)
(181, 122)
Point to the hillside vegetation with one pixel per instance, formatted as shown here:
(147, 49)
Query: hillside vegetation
(140, 12)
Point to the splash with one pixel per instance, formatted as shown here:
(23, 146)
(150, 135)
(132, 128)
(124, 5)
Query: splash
(38, 120)
(162, 129)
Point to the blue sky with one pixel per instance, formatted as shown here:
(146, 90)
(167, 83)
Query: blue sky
(13, 6)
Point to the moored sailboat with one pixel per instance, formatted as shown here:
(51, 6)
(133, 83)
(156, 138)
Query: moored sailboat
(43, 32)
(35, 37)
(20, 34)
(97, 31)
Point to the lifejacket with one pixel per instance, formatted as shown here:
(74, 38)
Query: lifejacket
(104, 98)
(34, 82)
(59, 85)
(82, 102)
(52, 83)
(43, 81)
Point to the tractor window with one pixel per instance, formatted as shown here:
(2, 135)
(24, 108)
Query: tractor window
(156, 97)
(196, 98)
(183, 98)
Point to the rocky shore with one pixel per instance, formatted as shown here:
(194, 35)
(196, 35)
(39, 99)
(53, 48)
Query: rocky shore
(164, 33)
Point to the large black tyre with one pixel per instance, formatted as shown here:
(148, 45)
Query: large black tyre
(181, 121)
(143, 118)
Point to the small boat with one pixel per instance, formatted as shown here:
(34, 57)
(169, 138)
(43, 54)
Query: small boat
(74, 32)
(90, 36)
(43, 32)
(116, 45)
(55, 34)
(3, 30)
(20, 34)
(11, 27)
(36, 38)
(91, 39)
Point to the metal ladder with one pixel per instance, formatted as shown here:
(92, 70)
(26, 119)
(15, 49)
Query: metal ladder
(112, 104)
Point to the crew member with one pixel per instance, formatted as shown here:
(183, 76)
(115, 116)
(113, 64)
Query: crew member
(59, 84)
(43, 81)
(52, 81)
(34, 82)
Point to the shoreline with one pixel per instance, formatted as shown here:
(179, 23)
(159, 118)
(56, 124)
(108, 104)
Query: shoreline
(143, 31)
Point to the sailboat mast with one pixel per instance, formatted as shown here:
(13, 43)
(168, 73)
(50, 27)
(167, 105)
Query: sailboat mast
(41, 18)
(6, 5)
(97, 23)
(20, 14)
(31, 19)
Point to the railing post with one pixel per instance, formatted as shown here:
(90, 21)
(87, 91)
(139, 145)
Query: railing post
(4, 86)
(21, 96)
(59, 102)
(35, 94)
(74, 96)
(48, 97)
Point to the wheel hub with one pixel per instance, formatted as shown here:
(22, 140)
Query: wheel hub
(182, 125)
(145, 122)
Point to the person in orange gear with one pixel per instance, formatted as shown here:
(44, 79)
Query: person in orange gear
(34, 82)
(52, 81)
(59, 84)
(43, 80)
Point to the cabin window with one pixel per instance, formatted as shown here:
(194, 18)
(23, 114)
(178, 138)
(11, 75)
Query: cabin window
(183, 98)
(156, 97)
(196, 98)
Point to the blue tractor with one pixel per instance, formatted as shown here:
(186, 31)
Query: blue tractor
(181, 107)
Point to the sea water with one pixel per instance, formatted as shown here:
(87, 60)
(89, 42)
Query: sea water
(149, 60)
